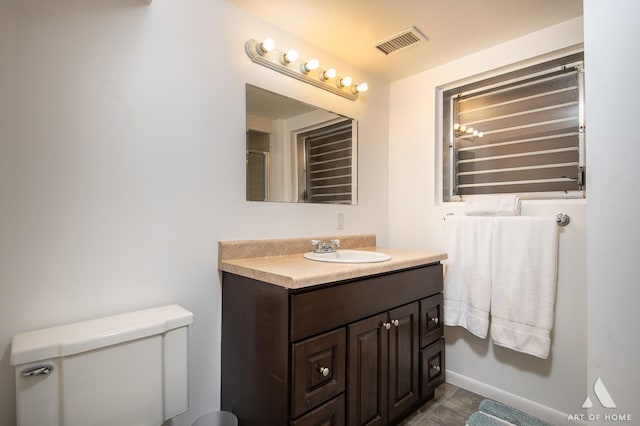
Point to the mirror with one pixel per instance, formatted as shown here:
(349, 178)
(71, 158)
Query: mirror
(298, 153)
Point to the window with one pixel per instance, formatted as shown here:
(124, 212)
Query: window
(328, 163)
(521, 132)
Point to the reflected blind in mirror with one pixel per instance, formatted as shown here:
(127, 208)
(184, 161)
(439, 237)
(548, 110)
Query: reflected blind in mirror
(328, 159)
(519, 135)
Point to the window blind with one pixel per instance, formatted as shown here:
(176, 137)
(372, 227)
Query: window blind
(526, 133)
(328, 160)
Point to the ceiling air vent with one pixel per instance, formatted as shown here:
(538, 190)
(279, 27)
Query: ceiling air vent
(397, 42)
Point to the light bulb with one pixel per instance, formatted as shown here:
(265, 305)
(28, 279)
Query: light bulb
(480, 134)
(328, 74)
(470, 130)
(310, 65)
(456, 126)
(266, 46)
(290, 56)
(344, 82)
(475, 133)
(358, 88)
(463, 128)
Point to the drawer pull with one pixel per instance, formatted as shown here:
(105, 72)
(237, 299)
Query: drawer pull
(435, 368)
(395, 322)
(435, 320)
(386, 325)
(324, 371)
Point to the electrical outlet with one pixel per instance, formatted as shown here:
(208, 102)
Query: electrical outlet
(340, 220)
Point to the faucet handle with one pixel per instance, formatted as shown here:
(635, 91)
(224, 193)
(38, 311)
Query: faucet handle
(315, 242)
(336, 243)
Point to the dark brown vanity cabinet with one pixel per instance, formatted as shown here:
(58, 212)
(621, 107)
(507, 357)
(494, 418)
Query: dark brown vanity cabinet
(365, 351)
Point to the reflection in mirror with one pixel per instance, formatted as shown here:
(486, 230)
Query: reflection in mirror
(297, 152)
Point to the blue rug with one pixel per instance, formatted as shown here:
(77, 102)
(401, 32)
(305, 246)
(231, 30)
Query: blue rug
(492, 413)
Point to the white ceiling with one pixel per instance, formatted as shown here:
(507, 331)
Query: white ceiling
(350, 28)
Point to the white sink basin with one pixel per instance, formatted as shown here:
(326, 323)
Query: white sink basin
(348, 256)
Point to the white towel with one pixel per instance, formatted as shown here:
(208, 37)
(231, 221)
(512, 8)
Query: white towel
(524, 275)
(492, 205)
(467, 286)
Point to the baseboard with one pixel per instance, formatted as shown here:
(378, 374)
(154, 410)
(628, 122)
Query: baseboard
(543, 412)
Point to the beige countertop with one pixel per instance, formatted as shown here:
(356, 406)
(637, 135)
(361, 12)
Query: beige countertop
(272, 261)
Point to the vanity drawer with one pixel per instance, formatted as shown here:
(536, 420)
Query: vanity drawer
(329, 414)
(317, 310)
(432, 365)
(431, 324)
(318, 370)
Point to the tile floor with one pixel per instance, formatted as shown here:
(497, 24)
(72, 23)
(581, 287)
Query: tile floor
(451, 406)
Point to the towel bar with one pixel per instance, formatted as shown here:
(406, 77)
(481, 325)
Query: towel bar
(562, 219)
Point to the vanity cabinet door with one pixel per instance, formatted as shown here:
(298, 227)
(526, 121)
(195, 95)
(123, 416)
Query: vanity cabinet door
(404, 351)
(432, 363)
(368, 363)
(318, 370)
(431, 324)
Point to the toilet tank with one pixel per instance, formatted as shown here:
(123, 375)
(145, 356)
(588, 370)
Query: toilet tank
(129, 370)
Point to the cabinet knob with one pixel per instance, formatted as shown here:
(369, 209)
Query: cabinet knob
(435, 320)
(386, 325)
(324, 371)
(435, 368)
(395, 322)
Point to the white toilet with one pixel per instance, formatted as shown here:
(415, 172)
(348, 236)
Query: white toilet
(123, 370)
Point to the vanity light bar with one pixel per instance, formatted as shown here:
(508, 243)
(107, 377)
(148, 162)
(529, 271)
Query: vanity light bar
(265, 53)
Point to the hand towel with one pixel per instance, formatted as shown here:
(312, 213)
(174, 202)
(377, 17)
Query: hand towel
(524, 275)
(467, 285)
(492, 205)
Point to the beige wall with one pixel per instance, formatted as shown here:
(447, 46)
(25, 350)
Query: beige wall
(611, 37)
(122, 152)
(549, 388)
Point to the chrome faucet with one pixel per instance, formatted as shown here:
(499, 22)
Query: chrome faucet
(324, 247)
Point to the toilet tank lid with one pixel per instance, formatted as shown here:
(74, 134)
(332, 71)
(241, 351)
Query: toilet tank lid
(84, 336)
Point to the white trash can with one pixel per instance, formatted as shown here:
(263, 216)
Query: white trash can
(217, 418)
